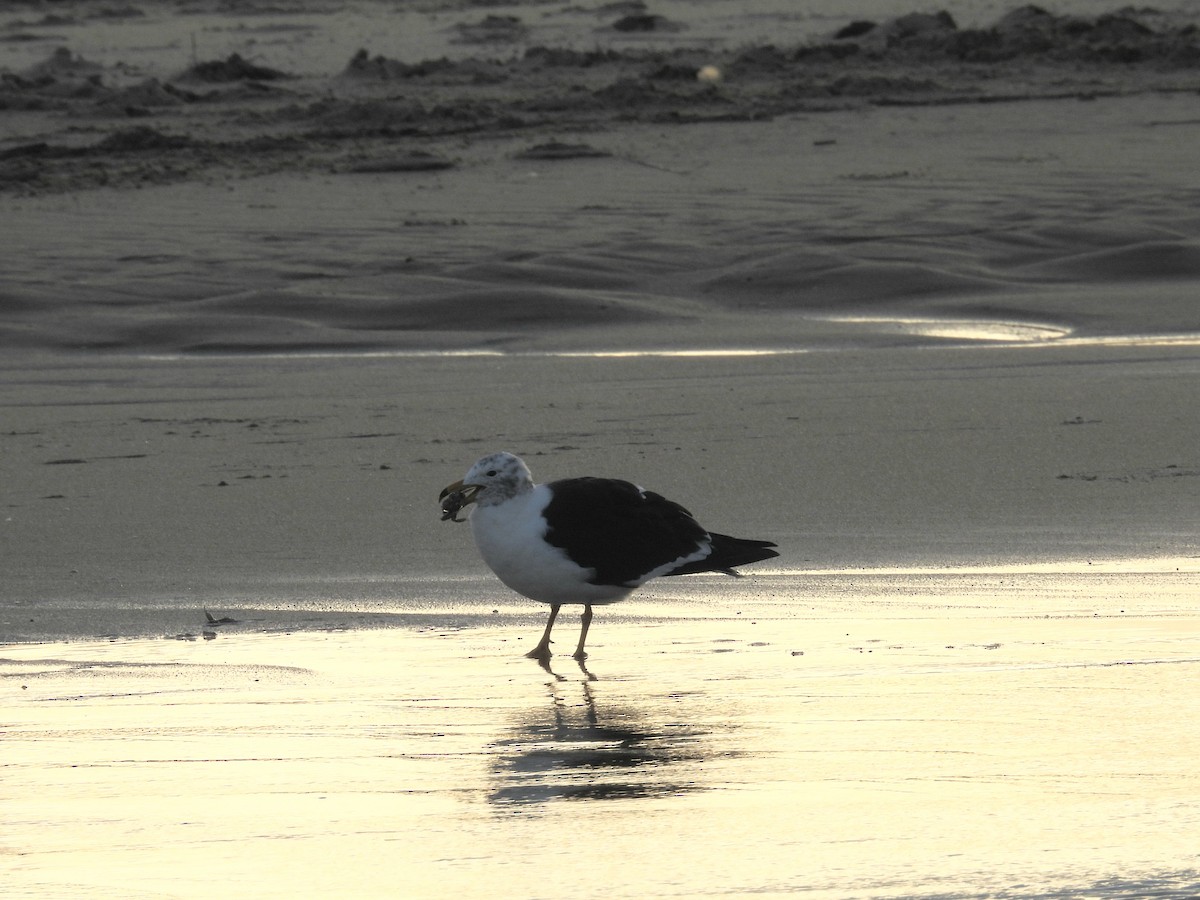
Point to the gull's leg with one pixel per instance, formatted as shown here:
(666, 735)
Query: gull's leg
(586, 619)
(542, 650)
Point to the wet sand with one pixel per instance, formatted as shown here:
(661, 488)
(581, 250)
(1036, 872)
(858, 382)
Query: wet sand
(922, 312)
(941, 736)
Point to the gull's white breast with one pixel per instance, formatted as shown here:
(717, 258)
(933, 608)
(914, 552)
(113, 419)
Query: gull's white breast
(511, 537)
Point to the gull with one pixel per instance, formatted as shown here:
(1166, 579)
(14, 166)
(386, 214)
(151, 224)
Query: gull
(588, 541)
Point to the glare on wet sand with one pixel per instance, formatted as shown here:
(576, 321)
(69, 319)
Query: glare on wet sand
(882, 734)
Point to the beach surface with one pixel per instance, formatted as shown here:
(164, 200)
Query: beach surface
(917, 302)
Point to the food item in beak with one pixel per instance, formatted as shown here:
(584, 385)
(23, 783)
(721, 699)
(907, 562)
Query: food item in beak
(452, 503)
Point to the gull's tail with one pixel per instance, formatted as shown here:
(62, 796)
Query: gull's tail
(728, 552)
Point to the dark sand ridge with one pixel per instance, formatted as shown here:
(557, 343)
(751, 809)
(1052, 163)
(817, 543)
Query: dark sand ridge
(233, 117)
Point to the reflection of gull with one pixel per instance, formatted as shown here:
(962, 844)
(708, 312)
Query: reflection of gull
(570, 755)
(584, 540)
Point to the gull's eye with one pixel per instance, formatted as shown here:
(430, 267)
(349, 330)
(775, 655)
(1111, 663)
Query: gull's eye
(491, 473)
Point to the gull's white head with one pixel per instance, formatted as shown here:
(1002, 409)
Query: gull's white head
(493, 479)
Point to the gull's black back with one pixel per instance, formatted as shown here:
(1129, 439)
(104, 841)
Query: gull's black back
(625, 533)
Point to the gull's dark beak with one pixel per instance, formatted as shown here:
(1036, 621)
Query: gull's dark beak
(467, 490)
(454, 497)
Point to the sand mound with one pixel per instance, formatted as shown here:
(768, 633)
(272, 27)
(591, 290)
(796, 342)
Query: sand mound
(814, 281)
(1029, 32)
(232, 69)
(1150, 261)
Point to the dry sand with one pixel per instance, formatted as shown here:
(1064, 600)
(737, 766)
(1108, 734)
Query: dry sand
(922, 311)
